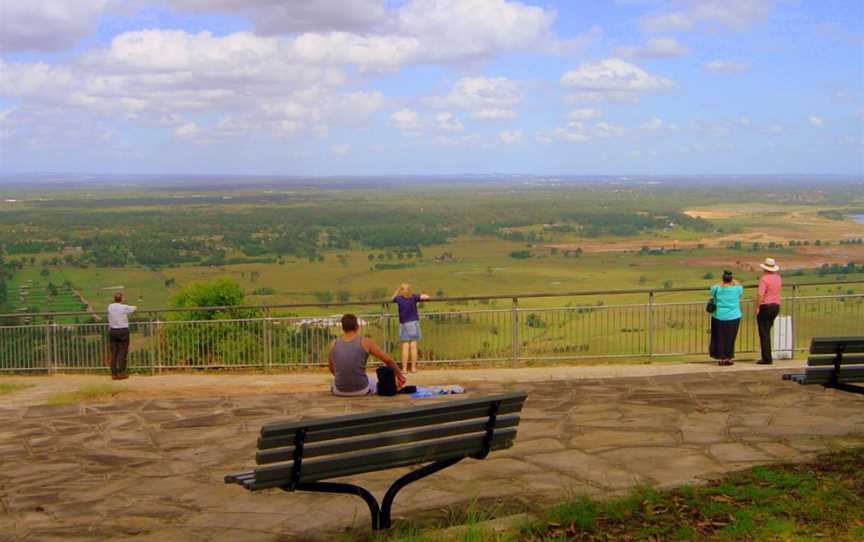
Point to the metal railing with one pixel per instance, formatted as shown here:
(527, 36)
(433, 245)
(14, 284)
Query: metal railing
(190, 338)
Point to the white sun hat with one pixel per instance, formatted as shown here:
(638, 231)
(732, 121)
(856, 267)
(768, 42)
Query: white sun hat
(770, 265)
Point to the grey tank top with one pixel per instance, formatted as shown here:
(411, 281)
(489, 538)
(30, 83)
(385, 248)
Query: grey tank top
(349, 361)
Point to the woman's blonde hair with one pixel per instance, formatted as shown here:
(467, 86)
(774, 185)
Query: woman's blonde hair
(405, 290)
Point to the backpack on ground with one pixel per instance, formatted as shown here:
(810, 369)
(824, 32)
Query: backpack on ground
(386, 381)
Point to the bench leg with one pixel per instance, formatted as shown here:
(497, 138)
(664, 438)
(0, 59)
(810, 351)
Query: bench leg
(349, 489)
(412, 476)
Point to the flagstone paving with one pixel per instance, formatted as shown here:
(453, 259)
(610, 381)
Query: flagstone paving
(153, 469)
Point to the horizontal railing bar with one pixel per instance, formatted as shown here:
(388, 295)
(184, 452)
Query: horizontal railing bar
(535, 295)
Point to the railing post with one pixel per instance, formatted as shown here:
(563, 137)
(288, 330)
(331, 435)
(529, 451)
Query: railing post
(385, 329)
(51, 346)
(794, 318)
(650, 334)
(514, 319)
(268, 339)
(154, 341)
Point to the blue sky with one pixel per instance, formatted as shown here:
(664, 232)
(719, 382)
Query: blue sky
(330, 87)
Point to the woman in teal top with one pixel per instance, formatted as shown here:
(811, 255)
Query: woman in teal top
(726, 319)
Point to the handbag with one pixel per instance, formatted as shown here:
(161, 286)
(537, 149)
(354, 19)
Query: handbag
(386, 381)
(711, 306)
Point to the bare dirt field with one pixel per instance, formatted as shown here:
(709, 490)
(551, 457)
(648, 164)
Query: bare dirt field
(708, 215)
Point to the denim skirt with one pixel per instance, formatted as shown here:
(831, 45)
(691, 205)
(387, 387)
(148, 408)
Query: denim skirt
(409, 331)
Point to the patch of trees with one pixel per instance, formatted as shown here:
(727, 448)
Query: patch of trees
(837, 269)
(32, 246)
(832, 215)
(386, 266)
(398, 236)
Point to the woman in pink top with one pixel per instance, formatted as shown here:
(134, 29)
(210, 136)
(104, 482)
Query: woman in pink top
(768, 306)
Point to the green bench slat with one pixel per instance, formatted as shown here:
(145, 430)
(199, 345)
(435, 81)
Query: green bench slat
(388, 439)
(822, 375)
(375, 460)
(848, 359)
(371, 424)
(828, 345)
(281, 428)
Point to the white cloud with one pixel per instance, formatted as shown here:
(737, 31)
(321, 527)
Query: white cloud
(485, 98)
(341, 150)
(510, 137)
(613, 79)
(726, 66)
(607, 129)
(583, 114)
(775, 129)
(447, 122)
(660, 47)
(735, 15)
(278, 16)
(406, 120)
(367, 34)
(494, 114)
(815, 121)
(159, 77)
(571, 136)
(188, 130)
(466, 29)
(652, 125)
(46, 25)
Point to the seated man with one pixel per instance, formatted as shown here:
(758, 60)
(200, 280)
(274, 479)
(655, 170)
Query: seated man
(347, 360)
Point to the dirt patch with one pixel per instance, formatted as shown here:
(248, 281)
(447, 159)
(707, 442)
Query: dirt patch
(751, 264)
(696, 213)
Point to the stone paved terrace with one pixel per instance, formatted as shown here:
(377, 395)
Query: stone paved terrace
(151, 468)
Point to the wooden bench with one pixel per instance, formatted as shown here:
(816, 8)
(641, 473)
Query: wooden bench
(299, 455)
(834, 362)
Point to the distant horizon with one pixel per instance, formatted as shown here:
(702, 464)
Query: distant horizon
(61, 179)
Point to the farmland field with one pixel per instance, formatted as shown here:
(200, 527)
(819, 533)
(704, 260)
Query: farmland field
(288, 243)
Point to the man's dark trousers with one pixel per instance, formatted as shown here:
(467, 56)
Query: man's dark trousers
(119, 340)
(765, 321)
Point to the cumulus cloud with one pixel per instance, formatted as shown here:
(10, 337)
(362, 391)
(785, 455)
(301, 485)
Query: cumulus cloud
(367, 34)
(485, 98)
(661, 47)
(466, 29)
(278, 16)
(510, 137)
(571, 136)
(162, 77)
(583, 113)
(735, 15)
(726, 66)
(406, 120)
(190, 129)
(287, 75)
(447, 122)
(46, 25)
(815, 121)
(607, 129)
(613, 79)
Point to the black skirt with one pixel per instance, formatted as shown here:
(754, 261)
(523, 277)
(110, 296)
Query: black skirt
(723, 335)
